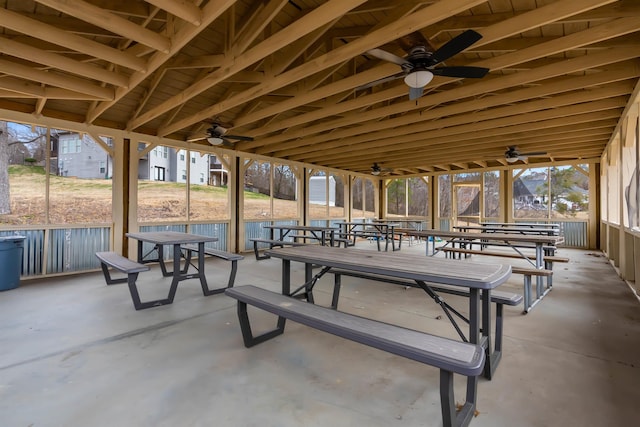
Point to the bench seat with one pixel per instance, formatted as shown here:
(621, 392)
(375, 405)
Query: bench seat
(131, 269)
(547, 272)
(528, 273)
(547, 258)
(272, 243)
(345, 241)
(499, 298)
(227, 256)
(451, 357)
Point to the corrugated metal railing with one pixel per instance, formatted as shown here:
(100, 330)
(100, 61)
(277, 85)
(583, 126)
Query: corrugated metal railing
(575, 233)
(71, 250)
(68, 249)
(74, 249)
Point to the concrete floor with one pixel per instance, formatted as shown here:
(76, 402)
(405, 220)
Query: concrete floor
(74, 352)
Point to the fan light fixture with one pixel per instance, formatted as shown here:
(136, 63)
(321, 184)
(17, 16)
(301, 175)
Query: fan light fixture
(375, 172)
(418, 79)
(215, 134)
(214, 140)
(512, 159)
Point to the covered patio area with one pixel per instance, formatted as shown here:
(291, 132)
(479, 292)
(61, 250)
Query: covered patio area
(76, 353)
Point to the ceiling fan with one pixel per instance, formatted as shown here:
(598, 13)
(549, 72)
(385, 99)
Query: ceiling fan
(217, 135)
(418, 66)
(376, 170)
(512, 154)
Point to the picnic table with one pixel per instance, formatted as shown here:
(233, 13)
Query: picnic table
(160, 239)
(479, 281)
(512, 229)
(544, 246)
(322, 234)
(377, 230)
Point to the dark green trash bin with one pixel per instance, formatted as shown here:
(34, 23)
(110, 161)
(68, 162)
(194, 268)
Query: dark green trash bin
(11, 248)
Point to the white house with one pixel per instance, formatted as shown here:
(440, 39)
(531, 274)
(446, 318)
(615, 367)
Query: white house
(318, 190)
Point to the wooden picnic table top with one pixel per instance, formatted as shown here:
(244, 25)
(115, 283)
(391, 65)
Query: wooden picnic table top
(502, 237)
(295, 227)
(504, 229)
(170, 237)
(376, 224)
(522, 224)
(395, 264)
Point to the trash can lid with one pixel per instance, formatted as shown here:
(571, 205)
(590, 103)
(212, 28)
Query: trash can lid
(12, 238)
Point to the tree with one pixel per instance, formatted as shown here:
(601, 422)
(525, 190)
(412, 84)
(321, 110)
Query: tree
(560, 184)
(396, 196)
(284, 183)
(418, 197)
(444, 195)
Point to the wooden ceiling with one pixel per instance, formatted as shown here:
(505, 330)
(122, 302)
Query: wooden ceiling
(289, 73)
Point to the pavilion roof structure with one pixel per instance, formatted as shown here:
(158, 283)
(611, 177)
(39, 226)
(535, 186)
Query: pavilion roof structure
(296, 76)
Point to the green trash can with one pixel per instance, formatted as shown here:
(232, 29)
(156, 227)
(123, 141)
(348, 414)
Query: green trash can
(11, 248)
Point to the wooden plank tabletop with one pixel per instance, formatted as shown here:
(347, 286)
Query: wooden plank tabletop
(522, 224)
(502, 237)
(300, 227)
(507, 230)
(170, 237)
(395, 264)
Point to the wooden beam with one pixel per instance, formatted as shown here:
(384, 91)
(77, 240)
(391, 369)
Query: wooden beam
(328, 10)
(211, 11)
(52, 34)
(53, 79)
(591, 35)
(22, 89)
(256, 24)
(302, 26)
(110, 21)
(607, 109)
(559, 68)
(181, 8)
(60, 62)
(490, 136)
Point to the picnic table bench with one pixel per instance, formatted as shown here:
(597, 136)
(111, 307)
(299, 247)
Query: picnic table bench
(227, 256)
(528, 273)
(499, 298)
(451, 357)
(131, 269)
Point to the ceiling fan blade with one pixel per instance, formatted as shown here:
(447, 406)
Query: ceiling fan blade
(380, 81)
(239, 138)
(463, 72)
(227, 143)
(415, 92)
(456, 45)
(195, 138)
(536, 153)
(387, 56)
(412, 40)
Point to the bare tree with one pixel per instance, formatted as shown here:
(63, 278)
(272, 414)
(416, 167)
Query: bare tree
(17, 142)
(5, 206)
